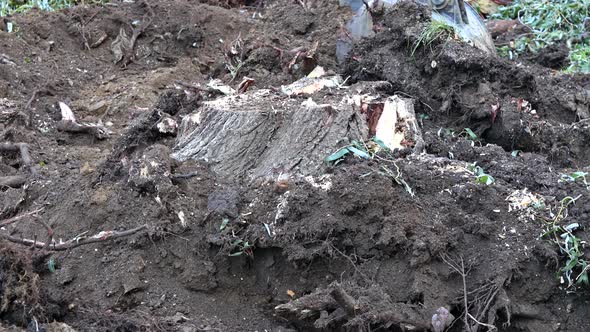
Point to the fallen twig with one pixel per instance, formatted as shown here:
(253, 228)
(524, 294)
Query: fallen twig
(75, 242)
(23, 148)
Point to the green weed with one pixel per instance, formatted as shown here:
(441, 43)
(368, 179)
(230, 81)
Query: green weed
(481, 176)
(240, 247)
(10, 7)
(575, 269)
(573, 177)
(370, 150)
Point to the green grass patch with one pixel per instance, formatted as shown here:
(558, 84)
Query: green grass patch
(10, 7)
(436, 30)
(551, 22)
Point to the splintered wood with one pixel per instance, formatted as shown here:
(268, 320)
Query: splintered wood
(393, 121)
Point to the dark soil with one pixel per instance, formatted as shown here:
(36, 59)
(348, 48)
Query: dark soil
(352, 228)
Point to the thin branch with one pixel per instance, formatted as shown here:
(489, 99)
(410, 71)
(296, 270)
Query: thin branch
(75, 242)
(49, 232)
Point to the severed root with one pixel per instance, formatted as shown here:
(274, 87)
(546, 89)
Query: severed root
(73, 243)
(69, 124)
(23, 148)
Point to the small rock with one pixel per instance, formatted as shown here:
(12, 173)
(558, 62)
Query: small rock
(132, 284)
(99, 197)
(86, 169)
(98, 107)
(59, 327)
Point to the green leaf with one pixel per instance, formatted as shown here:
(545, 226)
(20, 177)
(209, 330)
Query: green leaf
(423, 116)
(51, 265)
(579, 174)
(357, 145)
(570, 265)
(337, 155)
(485, 179)
(359, 153)
(379, 142)
(515, 153)
(583, 279)
(472, 135)
(223, 223)
(239, 253)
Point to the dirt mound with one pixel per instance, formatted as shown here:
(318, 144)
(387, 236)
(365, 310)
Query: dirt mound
(205, 208)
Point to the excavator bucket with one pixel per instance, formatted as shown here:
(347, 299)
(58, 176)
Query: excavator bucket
(456, 13)
(466, 21)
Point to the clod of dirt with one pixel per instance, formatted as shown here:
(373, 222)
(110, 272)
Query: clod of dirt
(224, 202)
(19, 285)
(132, 283)
(554, 56)
(198, 275)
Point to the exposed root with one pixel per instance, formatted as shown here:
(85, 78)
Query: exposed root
(12, 181)
(347, 306)
(19, 289)
(484, 296)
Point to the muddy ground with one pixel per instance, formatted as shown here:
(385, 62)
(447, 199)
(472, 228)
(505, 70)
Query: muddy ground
(351, 229)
